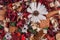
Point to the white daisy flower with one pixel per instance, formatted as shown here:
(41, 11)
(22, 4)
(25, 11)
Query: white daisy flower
(8, 36)
(24, 29)
(37, 11)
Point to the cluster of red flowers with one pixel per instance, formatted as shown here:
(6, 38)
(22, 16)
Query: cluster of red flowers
(15, 23)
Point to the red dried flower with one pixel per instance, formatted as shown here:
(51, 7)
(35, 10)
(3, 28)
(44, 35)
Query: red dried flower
(23, 37)
(12, 15)
(20, 23)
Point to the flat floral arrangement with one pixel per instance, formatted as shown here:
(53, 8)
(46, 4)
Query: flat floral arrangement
(29, 19)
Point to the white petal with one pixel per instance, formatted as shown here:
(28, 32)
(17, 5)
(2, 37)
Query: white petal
(30, 16)
(41, 9)
(32, 19)
(24, 31)
(41, 17)
(33, 6)
(38, 7)
(29, 10)
(37, 19)
(25, 26)
(44, 12)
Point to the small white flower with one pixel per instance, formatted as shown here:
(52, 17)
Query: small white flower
(57, 4)
(24, 29)
(52, 4)
(37, 12)
(8, 36)
(54, 22)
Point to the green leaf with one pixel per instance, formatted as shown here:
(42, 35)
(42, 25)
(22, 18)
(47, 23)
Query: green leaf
(4, 38)
(19, 30)
(32, 31)
(46, 28)
(1, 27)
(12, 24)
